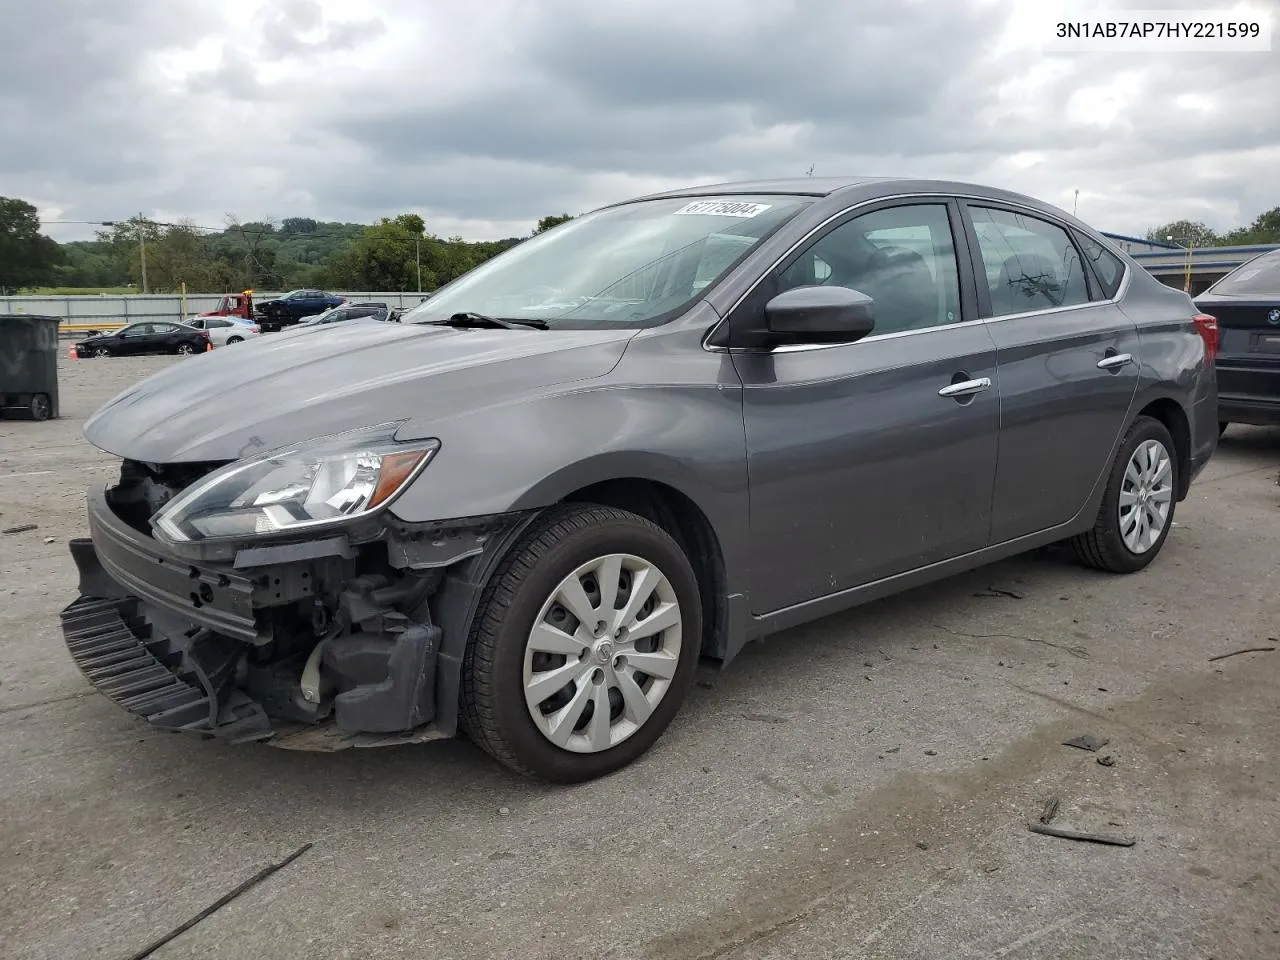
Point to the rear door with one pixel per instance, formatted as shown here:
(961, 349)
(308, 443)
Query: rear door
(872, 458)
(1068, 363)
(166, 337)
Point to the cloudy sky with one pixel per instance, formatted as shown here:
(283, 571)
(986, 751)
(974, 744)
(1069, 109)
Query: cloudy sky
(484, 115)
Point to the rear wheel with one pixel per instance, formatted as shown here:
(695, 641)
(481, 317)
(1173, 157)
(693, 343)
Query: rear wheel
(39, 408)
(584, 645)
(1138, 505)
(186, 349)
(235, 339)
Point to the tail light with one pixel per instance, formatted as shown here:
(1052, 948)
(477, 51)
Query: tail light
(1207, 327)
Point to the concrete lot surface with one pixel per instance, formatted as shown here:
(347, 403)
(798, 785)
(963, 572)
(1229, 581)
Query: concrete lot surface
(860, 787)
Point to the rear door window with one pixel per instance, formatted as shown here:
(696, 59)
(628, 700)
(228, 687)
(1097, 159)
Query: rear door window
(1030, 264)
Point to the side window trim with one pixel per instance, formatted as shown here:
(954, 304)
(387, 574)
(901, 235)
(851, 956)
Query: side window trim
(968, 291)
(978, 266)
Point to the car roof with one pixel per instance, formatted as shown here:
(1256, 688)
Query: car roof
(857, 188)
(865, 187)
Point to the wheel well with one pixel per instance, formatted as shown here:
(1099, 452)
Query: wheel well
(1171, 415)
(688, 526)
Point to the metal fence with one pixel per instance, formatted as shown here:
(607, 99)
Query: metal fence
(107, 312)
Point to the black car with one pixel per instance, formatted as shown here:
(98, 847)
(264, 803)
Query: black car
(150, 336)
(1246, 303)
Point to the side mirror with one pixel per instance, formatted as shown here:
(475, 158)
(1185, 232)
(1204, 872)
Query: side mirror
(819, 315)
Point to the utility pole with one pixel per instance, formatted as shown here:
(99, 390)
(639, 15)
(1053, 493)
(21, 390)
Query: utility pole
(417, 254)
(142, 246)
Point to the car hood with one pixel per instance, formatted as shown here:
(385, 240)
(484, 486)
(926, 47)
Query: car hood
(294, 386)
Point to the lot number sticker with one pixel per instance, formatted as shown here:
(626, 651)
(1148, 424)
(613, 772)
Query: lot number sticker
(724, 208)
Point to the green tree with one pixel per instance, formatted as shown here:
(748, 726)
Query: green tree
(27, 257)
(130, 242)
(1186, 232)
(1264, 229)
(546, 223)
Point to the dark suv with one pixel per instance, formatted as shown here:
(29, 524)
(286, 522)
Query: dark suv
(643, 437)
(293, 306)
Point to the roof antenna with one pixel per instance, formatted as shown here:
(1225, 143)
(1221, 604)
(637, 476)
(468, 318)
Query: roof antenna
(809, 172)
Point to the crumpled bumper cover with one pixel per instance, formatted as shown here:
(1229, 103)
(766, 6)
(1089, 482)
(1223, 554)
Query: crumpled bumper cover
(162, 636)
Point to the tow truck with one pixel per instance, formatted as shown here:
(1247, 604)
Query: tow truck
(231, 305)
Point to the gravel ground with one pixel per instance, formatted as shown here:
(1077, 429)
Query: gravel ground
(859, 787)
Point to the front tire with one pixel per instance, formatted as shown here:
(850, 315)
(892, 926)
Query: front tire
(552, 694)
(1138, 506)
(101, 352)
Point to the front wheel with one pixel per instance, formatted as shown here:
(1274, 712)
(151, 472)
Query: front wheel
(1138, 505)
(583, 646)
(101, 352)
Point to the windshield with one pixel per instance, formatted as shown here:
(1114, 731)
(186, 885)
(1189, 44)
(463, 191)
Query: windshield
(635, 265)
(1260, 277)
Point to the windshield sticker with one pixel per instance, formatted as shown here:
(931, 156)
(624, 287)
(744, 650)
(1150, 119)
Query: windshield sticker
(723, 208)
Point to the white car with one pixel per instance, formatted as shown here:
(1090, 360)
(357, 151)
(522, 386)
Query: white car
(225, 330)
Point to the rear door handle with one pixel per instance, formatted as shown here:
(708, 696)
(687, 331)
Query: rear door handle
(966, 388)
(1114, 361)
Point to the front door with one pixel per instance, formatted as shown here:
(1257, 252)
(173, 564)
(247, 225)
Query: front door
(1069, 361)
(872, 458)
(135, 339)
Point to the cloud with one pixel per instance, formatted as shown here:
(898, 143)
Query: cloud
(485, 117)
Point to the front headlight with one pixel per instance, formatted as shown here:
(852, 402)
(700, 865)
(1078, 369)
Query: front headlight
(317, 484)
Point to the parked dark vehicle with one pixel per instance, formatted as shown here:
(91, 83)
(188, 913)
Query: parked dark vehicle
(152, 336)
(1246, 303)
(348, 311)
(643, 437)
(295, 305)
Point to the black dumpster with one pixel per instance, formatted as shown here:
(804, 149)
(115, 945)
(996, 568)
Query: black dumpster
(28, 366)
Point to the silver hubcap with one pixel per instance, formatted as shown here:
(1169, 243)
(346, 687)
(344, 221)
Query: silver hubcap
(102, 352)
(1146, 496)
(602, 653)
(185, 349)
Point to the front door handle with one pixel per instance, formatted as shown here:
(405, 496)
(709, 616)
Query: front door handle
(1114, 361)
(966, 388)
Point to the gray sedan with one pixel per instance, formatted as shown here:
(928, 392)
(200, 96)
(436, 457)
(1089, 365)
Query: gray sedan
(637, 440)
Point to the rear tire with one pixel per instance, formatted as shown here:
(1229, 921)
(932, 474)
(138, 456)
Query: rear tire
(1137, 491)
(39, 408)
(231, 340)
(185, 349)
(578, 550)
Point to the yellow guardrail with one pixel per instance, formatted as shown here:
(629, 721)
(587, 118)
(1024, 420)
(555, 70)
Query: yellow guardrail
(86, 327)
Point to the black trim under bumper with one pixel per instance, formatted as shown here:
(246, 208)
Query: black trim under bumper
(216, 597)
(141, 671)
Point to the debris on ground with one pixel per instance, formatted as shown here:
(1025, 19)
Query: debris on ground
(1223, 656)
(220, 903)
(997, 592)
(1050, 809)
(1064, 834)
(1087, 742)
(1043, 826)
(1107, 761)
(21, 528)
(931, 753)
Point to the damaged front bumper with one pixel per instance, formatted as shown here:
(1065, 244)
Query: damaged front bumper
(318, 645)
